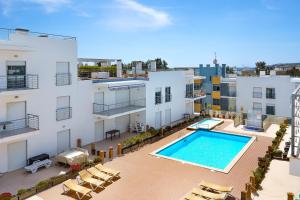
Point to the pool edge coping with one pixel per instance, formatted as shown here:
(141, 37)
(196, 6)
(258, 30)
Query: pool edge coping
(228, 167)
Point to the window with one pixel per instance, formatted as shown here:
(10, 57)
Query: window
(216, 102)
(158, 96)
(216, 87)
(257, 107)
(197, 86)
(63, 109)
(270, 93)
(189, 91)
(168, 94)
(270, 109)
(257, 92)
(63, 76)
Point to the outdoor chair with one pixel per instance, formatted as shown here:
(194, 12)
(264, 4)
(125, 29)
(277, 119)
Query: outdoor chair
(87, 178)
(107, 170)
(81, 192)
(99, 175)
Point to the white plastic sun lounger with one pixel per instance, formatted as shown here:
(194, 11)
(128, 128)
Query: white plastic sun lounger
(38, 164)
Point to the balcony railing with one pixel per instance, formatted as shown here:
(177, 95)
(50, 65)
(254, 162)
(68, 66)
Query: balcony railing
(195, 94)
(18, 82)
(158, 100)
(19, 126)
(257, 94)
(119, 107)
(63, 79)
(168, 98)
(63, 113)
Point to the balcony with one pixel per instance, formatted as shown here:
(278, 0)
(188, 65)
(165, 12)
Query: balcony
(63, 113)
(119, 109)
(18, 127)
(195, 95)
(63, 79)
(19, 82)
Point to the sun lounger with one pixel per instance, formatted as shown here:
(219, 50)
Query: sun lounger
(38, 164)
(209, 195)
(100, 175)
(87, 178)
(191, 196)
(215, 187)
(78, 189)
(107, 170)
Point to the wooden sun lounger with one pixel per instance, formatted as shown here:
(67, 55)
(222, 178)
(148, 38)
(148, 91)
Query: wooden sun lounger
(108, 171)
(191, 196)
(209, 195)
(78, 189)
(87, 178)
(215, 187)
(100, 175)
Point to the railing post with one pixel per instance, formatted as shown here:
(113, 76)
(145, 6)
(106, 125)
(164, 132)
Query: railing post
(111, 153)
(290, 196)
(119, 149)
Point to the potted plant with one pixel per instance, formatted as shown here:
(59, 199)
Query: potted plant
(42, 185)
(25, 193)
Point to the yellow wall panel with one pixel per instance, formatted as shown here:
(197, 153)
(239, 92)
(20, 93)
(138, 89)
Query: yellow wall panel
(216, 94)
(216, 80)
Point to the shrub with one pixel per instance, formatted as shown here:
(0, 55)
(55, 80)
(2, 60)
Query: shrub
(259, 175)
(277, 153)
(22, 191)
(96, 160)
(42, 184)
(5, 196)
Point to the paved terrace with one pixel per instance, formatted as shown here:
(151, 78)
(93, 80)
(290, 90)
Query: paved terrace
(147, 177)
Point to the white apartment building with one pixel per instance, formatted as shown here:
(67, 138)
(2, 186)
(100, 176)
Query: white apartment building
(39, 97)
(45, 108)
(267, 94)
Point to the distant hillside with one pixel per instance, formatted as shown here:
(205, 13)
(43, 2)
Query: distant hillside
(285, 65)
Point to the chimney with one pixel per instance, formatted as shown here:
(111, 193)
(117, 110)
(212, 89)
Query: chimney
(152, 66)
(119, 68)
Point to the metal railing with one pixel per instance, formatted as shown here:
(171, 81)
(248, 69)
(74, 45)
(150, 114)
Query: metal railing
(270, 95)
(63, 79)
(195, 94)
(158, 100)
(30, 121)
(16, 82)
(99, 108)
(63, 113)
(6, 32)
(168, 98)
(257, 94)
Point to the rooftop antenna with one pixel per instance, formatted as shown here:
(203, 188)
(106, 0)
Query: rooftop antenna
(215, 61)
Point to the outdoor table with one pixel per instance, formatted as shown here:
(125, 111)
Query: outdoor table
(112, 133)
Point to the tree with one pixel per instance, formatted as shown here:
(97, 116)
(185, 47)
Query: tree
(161, 64)
(229, 70)
(261, 66)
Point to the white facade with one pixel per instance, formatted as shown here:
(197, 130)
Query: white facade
(42, 57)
(251, 93)
(161, 114)
(65, 108)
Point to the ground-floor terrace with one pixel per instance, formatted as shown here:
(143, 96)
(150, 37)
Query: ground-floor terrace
(144, 176)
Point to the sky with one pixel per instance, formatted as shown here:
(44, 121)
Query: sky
(185, 33)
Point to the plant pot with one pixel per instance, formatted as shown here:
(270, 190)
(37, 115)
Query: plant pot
(42, 188)
(27, 194)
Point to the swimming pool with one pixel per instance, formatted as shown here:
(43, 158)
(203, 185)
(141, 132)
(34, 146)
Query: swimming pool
(214, 150)
(209, 123)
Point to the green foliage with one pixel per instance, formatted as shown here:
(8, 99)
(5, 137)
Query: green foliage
(87, 70)
(97, 159)
(42, 184)
(259, 175)
(277, 153)
(22, 191)
(138, 138)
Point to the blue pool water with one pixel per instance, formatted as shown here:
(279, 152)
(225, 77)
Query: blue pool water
(206, 123)
(207, 148)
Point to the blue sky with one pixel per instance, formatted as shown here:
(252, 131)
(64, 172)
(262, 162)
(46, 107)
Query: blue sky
(183, 32)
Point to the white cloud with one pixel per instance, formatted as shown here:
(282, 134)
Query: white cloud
(133, 15)
(50, 5)
(5, 6)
